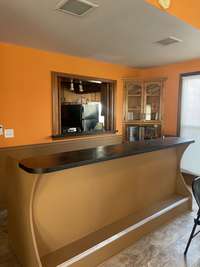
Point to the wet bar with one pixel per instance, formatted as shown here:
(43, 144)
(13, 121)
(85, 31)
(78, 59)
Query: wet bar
(79, 208)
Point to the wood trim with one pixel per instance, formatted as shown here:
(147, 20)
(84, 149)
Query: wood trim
(186, 74)
(56, 93)
(124, 101)
(75, 76)
(154, 79)
(162, 106)
(55, 104)
(112, 106)
(178, 130)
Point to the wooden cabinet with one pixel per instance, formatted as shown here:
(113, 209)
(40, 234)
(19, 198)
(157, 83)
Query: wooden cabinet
(143, 107)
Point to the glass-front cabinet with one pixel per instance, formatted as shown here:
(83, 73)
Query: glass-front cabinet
(152, 101)
(143, 100)
(143, 107)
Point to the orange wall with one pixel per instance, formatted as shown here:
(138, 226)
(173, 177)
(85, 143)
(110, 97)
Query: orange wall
(25, 89)
(172, 72)
(186, 10)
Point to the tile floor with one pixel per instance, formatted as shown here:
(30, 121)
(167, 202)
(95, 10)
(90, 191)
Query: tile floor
(162, 248)
(7, 259)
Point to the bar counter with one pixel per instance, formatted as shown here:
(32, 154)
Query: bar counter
(65, 160)
(79, 208)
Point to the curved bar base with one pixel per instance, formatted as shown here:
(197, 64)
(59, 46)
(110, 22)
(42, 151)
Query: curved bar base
(81, 216)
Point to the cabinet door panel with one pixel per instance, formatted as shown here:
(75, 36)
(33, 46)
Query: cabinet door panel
(152, 101)
(134, 100)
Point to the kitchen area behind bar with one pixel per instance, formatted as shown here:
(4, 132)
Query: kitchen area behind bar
(83, 105)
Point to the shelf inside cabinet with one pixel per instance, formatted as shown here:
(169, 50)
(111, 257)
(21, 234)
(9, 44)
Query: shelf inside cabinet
(152, 95)
(143, 122)
(135, 95)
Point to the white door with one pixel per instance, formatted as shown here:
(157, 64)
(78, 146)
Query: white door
(190, 122)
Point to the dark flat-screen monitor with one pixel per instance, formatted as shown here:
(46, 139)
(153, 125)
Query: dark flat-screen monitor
(82, 117)
(71, 116)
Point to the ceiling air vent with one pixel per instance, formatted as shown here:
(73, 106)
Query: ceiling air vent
(169, 41)
(75, 7)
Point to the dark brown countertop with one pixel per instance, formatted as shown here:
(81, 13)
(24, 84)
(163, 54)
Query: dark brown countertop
(66, 160)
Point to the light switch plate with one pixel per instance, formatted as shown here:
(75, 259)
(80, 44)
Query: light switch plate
(9, 133)
(1, 129)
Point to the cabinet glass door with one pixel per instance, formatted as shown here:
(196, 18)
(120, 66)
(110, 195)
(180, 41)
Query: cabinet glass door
(134, 101)
(152, 101)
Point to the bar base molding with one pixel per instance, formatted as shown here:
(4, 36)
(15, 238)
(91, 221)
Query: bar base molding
(100, 245)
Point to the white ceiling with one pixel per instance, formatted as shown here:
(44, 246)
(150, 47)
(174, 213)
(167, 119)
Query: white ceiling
(119, 31)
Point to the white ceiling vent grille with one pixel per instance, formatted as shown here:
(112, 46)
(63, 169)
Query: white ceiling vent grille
(168, 41)
(75, 7)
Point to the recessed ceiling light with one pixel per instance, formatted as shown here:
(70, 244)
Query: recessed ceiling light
(75, 7)
(168, 41)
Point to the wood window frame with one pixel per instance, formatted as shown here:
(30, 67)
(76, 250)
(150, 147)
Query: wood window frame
(181, 76)
(56, 78)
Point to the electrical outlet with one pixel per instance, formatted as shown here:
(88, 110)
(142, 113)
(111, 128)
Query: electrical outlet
(9, 133)
(1, 129)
